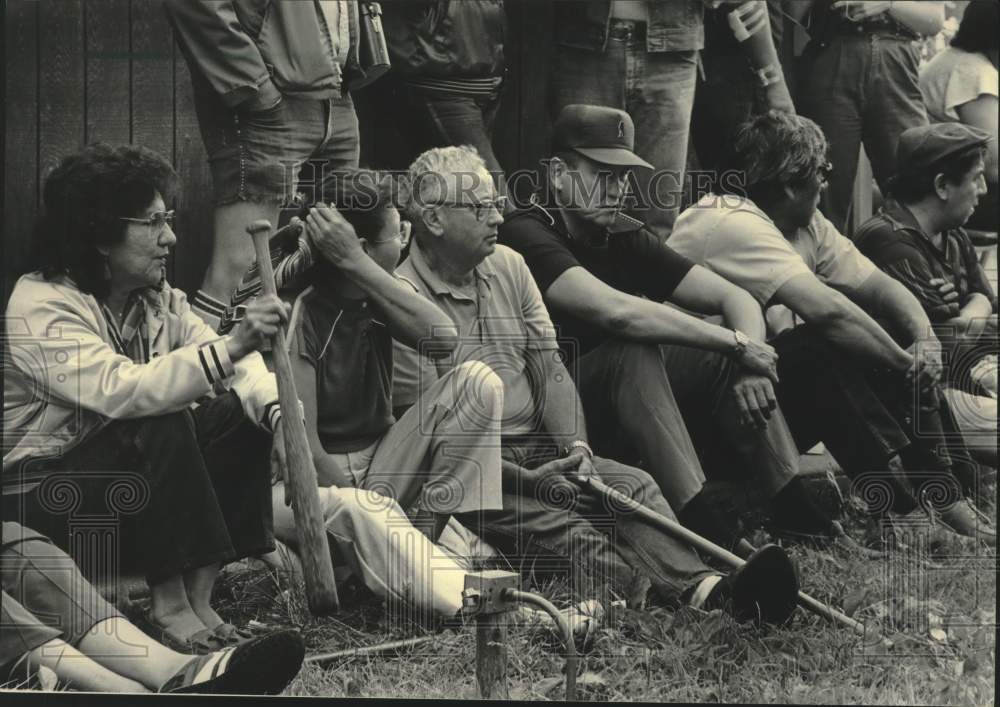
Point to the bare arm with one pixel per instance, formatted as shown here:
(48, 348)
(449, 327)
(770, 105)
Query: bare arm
(841, 321)
(982, 113)
(556, 394)
(412, 319)
(705, 292)
(887, 298)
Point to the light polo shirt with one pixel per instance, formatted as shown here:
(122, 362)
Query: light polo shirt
(732, 237)
(500, 318)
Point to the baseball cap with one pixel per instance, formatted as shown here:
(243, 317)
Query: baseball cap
(603, 134)
(926, 145)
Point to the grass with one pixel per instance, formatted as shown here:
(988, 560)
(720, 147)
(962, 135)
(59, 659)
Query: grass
(940, 616)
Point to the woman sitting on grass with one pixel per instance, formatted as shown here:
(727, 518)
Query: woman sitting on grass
(54, 619)
(107, 396)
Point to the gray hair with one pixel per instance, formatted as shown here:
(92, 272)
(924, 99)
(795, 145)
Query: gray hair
(427, 180)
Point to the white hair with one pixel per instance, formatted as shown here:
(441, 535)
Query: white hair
(428, 177)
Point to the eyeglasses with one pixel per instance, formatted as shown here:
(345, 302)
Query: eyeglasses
(156, 221)
(405, 228)
(482, 208)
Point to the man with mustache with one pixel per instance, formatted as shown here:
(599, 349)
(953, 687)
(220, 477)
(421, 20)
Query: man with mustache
(656, 382)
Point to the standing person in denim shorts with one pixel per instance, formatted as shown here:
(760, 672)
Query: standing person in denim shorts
(859, 82)
(640, 56)
(448, 70)
(270, 83)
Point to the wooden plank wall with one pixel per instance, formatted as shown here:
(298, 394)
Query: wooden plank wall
(79, 71)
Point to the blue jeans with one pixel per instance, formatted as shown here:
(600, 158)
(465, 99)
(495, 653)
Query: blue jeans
(860, 89)
(657, 91)
(270, 154)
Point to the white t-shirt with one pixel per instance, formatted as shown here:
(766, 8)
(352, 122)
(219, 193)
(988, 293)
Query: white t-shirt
(955, 77)
(733, 238)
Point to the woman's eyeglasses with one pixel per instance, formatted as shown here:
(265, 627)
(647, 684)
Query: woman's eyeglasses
(156, 221)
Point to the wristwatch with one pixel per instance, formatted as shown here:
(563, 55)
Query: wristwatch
(741, 341)
(568, 449)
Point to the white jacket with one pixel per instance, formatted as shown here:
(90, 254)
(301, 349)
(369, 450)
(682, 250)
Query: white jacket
(63, 378)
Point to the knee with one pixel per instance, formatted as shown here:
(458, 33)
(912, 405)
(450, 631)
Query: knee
(351, 508)
(640, 356)
(172, 430)
(477, 379)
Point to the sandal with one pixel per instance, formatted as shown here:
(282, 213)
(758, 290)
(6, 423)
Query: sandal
(233, 635)
(261, 666)
(201, 643)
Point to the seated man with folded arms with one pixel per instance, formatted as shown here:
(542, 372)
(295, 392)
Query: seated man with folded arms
(641, 364)
(371, 466)
(917, 237)
(546, 521)
(843, 379)
(55, 619)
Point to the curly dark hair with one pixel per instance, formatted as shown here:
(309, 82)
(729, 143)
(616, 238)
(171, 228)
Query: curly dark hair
(774, 150)
(83, 200)
(977, 31)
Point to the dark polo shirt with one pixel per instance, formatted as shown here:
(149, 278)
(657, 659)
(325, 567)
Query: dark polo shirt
(894, 240)
(349, 345)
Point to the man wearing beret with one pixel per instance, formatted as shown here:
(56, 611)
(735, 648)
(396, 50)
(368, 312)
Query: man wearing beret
(640, 364)
(918, 239)
(868, 390)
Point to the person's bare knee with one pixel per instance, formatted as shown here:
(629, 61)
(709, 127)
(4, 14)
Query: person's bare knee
(233, 253)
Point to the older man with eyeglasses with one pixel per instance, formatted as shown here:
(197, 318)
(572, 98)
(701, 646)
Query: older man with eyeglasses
(547, 523)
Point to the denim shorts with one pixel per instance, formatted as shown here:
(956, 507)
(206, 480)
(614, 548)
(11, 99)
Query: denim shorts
(270, 154)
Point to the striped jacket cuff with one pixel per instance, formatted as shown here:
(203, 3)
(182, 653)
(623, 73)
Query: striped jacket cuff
(215, 362)
(272, 413)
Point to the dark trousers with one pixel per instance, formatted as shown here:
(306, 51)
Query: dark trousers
(665, 407)
(590, 541)
(865, 417)
(179, 491)
(860, 89)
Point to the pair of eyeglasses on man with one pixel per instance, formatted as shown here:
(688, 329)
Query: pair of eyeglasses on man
(481, 208)
(156, 221)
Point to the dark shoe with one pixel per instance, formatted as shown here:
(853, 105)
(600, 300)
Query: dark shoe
(963, 518)
(703, 517)
(797, 516)
(262, 666)
(764, 590)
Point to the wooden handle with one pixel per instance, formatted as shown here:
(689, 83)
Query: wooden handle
(314, 549)
(709, 548)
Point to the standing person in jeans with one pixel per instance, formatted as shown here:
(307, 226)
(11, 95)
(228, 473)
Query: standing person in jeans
(640, 56)
(546, 521)
(858, 81)
(270, 84)
(447, 75)
(843, 378)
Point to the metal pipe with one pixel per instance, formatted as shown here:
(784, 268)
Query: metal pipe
(322, 659)
(564, 628)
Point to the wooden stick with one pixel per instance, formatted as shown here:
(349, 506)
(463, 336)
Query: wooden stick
(313, 549)
(709, 548)
(323, 659)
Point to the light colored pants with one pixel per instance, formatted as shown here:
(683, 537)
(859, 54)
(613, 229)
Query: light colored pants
(375, 539)
(445, 451)
(977, 421)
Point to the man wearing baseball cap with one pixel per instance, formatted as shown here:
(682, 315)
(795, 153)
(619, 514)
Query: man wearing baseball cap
(640, 364)
(917, 237)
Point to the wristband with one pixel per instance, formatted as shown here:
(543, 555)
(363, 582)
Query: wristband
(578, 444)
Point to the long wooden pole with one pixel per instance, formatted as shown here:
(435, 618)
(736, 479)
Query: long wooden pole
(313, 549)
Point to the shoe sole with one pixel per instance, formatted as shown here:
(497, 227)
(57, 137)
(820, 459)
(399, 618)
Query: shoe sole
(765, 589)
